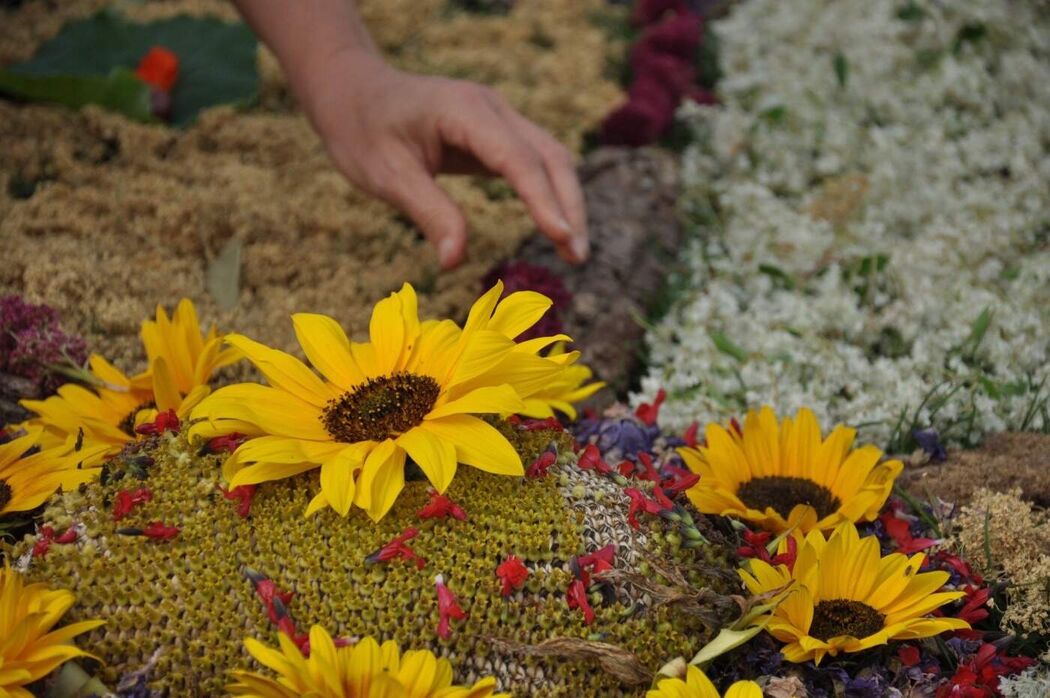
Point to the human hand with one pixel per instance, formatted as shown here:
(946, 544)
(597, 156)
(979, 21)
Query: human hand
(390, 132)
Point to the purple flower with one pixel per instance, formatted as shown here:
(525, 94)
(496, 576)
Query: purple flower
(519, 275)
(617, 437)
(930, 441)
(32, 343)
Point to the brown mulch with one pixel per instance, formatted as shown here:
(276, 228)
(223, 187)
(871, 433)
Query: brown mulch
(1004, 461)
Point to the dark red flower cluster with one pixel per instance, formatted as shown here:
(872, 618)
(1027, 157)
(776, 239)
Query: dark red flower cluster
(227, 443)
(441, 506)
(640, 502)
(32, 344)
(591, 459)
(898, 527)
(398, 548)
(126, 501)
(978, 676)
(518, 275)
(276, 603)
(663, 70)
(512, 574)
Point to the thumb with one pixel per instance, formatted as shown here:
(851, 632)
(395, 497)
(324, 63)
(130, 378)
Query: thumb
(415, 192)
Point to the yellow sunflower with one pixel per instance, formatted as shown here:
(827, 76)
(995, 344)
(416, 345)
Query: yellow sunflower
(29, 648)
(785, 476)
(846, 598)
(27, 482)
(697, 685)
(84, 427)
(413, 390)
(365, 670)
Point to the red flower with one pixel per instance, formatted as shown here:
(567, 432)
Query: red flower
(159, 68)
(690, 434)
(677, 36)
(639, 502)
(900, 530)
(591, 459)
(397, 548)
(680, 480)
(649, 11)
(974, 611)
(448, 608)
(597, 562)
(441, 506)
(978, 676)
(287, 626)
(541, 424)
(909, 655)
(126, 501)
(647, 413)
(158, 530)
(165, 421)
(70, 536)
(577, 598)
(541, 465)
(242, 494)
(225, 444)
(512, 573)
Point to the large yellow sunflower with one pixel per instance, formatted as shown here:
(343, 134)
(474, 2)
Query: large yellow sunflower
(785, 476)
(26, 482)
(413, 390)
(86, 426)
(846, 598)
(29, 648)
(697, 685)
(365, 670)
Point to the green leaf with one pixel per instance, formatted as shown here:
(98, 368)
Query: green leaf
(780, 278)
(217, 60)
(726, 640)
(774, 115)
(118, 90)
(841, 66)
(979, 329)
(726, 346)
(910, 12)
(223, 276)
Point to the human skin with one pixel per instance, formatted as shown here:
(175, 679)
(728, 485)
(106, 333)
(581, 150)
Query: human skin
(391, 132)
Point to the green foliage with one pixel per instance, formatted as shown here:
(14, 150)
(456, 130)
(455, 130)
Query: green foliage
(91, 62)
(841, 66)
(118, 90)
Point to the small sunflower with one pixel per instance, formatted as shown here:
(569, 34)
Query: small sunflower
(85, 426)
(846, 598)
(29, 648)
(785, 476)
(697, 685)
(413, 390)
(27, 481)
(365, 670)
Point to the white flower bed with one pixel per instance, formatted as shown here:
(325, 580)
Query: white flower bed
(873, 212)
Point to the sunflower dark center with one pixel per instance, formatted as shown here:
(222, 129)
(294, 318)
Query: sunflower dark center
(785, 493)
(6, 495)
(843, 617)
(380, 408)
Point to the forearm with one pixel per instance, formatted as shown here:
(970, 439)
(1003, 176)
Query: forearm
(306, 34)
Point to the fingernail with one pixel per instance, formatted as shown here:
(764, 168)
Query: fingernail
(446, 252)
(580, 247)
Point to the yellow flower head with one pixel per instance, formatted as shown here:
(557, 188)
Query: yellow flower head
(785, 476)
(412, 390)
(26, 483)
(844, 597)
(697, 685)
(84, 427)
(29, 649)
(365, 670)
